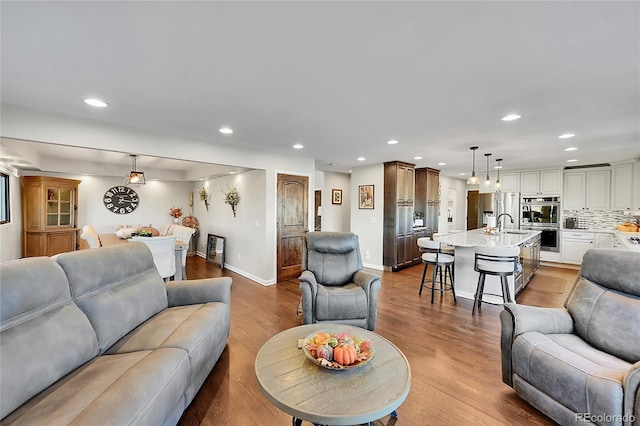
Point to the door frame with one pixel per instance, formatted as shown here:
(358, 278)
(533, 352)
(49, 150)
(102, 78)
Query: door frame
(310, 195)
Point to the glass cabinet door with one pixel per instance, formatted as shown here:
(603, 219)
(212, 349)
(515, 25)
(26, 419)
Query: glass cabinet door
(59, 207)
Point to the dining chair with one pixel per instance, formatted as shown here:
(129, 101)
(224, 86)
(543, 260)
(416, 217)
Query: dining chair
(163, 250)
(90, 236)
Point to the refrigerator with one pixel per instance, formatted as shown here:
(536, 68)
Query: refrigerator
(494, 204)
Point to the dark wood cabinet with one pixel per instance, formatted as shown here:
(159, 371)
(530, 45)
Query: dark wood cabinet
(398, 237)
(427, 198)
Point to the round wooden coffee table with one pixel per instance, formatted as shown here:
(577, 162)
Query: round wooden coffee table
(309, 392)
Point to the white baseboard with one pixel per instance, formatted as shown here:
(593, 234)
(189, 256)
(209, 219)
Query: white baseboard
(243, 273)
(372, 266)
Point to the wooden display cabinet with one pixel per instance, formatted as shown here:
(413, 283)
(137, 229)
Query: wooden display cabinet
(49, 215)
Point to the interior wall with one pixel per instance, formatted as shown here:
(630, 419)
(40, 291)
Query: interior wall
(367, 223)
(459, 216)
(42, 126)
(11, 233)
(156, 198)
(336, 217)
(246, 233)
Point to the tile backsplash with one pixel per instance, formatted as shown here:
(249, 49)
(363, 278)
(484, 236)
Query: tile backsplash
(597, 219)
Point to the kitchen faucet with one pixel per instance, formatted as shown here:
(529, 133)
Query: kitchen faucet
(498, 220)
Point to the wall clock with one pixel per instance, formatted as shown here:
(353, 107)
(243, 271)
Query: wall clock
(121, 200)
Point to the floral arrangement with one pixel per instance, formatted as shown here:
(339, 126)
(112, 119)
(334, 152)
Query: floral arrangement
(204, 196)
(175, 212)
(232, 197)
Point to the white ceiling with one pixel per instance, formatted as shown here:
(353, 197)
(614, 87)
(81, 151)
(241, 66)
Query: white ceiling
(342, 78)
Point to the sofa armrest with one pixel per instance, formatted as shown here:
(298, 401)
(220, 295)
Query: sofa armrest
(206, 290)
(518, 319)
(309, 289)
(631, 387)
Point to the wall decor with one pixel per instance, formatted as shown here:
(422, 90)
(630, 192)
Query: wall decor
(121, 200)
(366, 196)
(336, 196)
(232, 197)
(204, 197)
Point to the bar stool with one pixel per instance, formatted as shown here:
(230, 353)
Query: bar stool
(431, 255)
(498, 261)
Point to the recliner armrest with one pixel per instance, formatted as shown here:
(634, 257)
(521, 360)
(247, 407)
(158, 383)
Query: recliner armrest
(518, 319)
(543, 320)
(309, 289)
(631, 388)
(364, 279)
(205, 290)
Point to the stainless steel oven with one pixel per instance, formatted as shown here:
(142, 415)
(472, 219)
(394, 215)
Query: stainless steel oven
(549, 237)
(540, 211)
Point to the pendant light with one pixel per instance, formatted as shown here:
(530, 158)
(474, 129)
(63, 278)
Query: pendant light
(498, 184)
(473, 179)
(487, 181)
(135, 177)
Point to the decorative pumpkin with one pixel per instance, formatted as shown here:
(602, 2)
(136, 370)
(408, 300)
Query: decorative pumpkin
(345, 354)
(326, 352)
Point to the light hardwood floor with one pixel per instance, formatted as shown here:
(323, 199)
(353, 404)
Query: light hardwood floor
(454, 356)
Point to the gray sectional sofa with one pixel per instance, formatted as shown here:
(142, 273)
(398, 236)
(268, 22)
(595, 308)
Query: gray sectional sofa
(581, 365)
(97, 337)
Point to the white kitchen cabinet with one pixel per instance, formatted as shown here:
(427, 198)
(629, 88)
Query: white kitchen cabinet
(598, 193)
(622, 186)
(543, 182)
(605, 240)
(575, 244)
(587, 189)
(510, 182)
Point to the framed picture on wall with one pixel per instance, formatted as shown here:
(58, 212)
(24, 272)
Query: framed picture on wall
(366, 197)
(336, 196)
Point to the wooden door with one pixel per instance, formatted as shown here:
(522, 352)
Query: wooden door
(293, 196)
(472, 210)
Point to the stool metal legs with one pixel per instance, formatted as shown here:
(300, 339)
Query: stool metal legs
(437, 271)
(477, 299)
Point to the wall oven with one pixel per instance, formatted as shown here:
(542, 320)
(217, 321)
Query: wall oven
(543, 211)
(541, 214)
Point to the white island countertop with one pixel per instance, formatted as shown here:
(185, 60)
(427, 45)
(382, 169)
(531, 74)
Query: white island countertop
(625, 239)
(478, 238)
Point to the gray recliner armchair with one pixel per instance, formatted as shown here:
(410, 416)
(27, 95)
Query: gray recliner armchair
(581, 365)
(334, 287)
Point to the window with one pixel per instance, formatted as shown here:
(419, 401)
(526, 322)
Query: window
(4, 198)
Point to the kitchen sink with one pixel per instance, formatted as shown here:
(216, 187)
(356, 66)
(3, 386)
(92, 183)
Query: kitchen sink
(515, 231)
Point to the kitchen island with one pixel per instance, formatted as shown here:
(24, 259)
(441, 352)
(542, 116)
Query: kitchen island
(466, 279)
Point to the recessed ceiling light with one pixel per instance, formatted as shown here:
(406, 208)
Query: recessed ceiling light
(96, 103)
(571, 148)
(225, 130)
(511, 117)
(392, 142)
(332, 164)
(361, 158)
(417, 158)
(462, 174)
(298, 146)
(573, 160)
(566, 136)
(497, 167)
(442, 164)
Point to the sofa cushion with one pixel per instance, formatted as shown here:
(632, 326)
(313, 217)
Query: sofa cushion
(43, 334)
(606, 319)
(117, 287)
(340, 303)
(570, 371)
(144, 387)
(200, 330)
